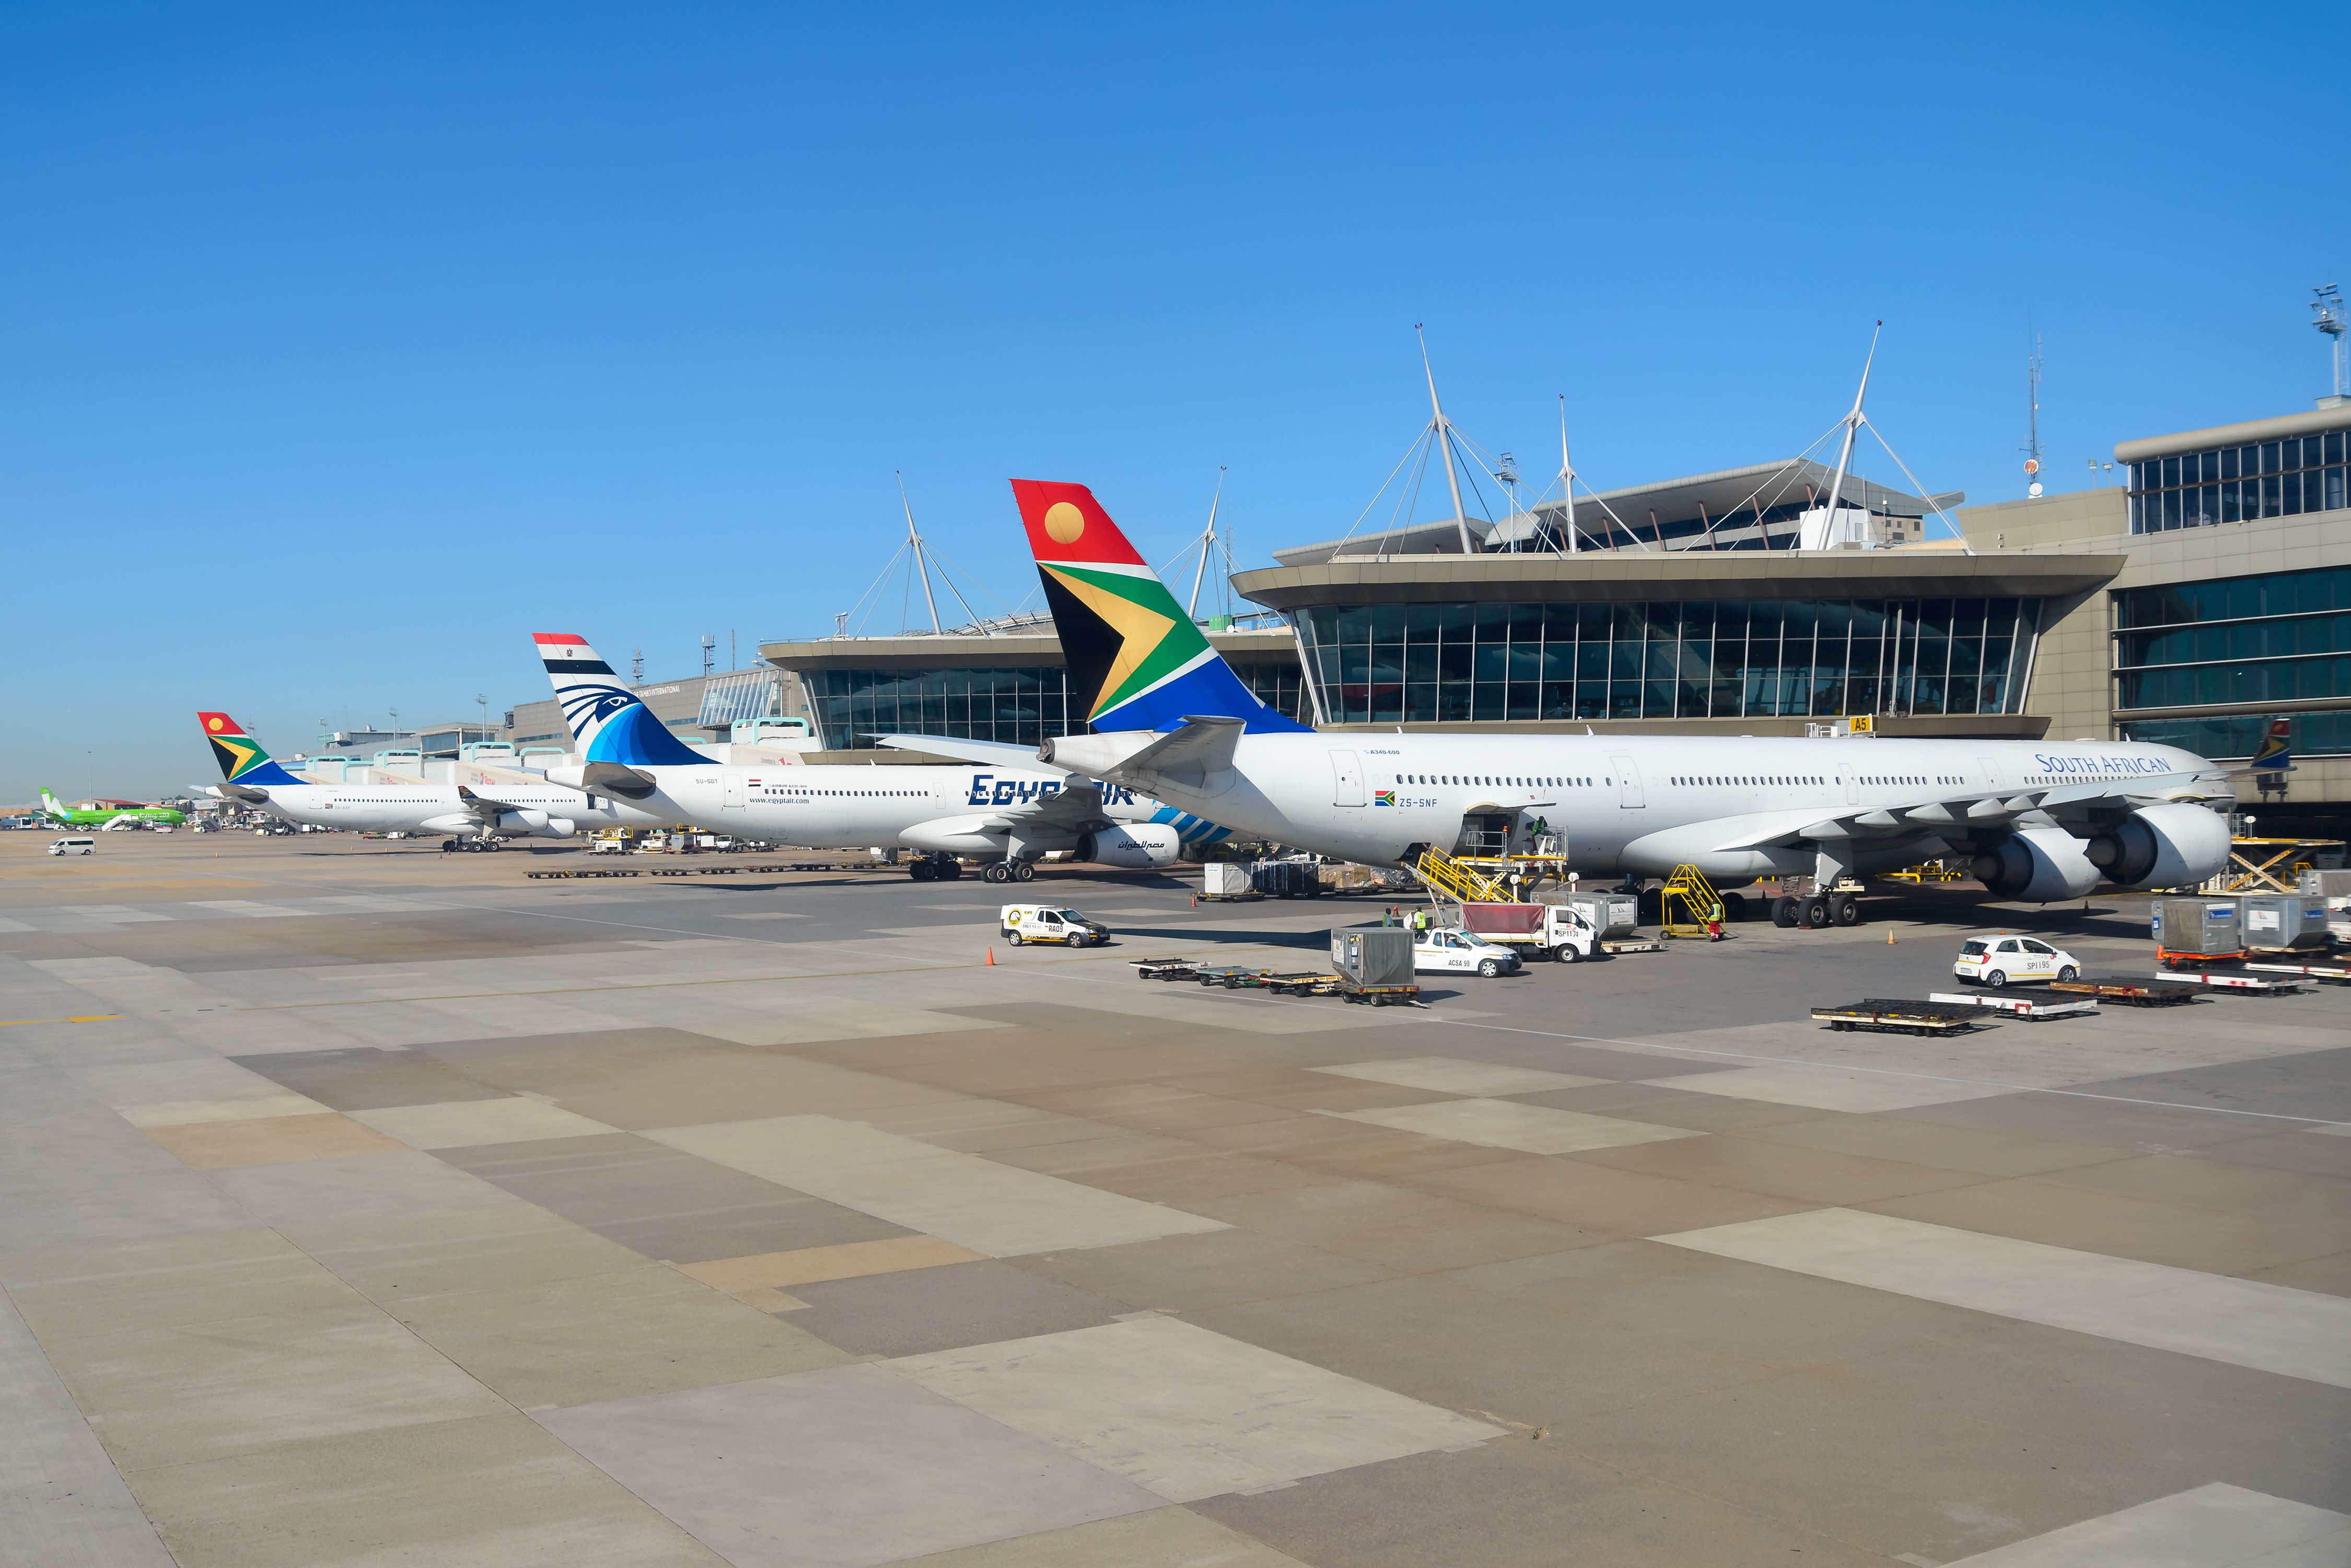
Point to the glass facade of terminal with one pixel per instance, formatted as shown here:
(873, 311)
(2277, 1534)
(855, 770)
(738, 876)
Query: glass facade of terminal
(2235, 739)
(2282, 637)
(1731, 659)
(2238, 483)
(1021, 707)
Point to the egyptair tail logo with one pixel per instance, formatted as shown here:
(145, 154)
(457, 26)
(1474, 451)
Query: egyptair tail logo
(1135, 658)
(610, 722)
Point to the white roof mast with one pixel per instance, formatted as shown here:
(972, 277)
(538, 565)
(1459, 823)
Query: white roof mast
(914, 542)
(1852, 423)
(1208, 543)
(1444, 430)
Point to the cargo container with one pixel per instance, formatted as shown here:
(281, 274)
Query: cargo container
(1610, 915)
(2282, 922)
(1226, 879)
(1286, 879)
(1375, 962)
(2188, 928)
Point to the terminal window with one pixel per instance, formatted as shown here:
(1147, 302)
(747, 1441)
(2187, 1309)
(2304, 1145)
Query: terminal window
(2238, 483)
(1731, 659)
(2281, 637)
(1021, 707)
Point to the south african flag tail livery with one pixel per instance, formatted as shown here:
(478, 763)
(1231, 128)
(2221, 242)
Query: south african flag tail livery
(1137, 660)
(242, 760)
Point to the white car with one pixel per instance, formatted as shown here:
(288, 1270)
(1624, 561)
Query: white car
(2003, 960)
(1448, 950)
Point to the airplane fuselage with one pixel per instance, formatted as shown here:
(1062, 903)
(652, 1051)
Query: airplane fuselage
(1645, 804)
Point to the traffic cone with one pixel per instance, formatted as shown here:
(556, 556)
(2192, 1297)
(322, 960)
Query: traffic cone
(1889, 936)
(991, 959)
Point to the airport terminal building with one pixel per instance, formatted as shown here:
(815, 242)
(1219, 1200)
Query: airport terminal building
(2208, 593)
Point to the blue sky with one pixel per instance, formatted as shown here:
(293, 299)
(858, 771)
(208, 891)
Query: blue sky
(343, 347)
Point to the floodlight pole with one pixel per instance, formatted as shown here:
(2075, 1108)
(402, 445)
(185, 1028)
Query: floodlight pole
(1444, 429)
(1853, 423)
(915, 541)
(1208, 543)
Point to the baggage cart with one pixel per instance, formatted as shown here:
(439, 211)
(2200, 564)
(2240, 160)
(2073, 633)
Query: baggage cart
(1165, 969)
(1374, 964)
(2034, 1009)
(2129, 993)
(1232, 977)
(1305, 982)
(2238, 982)
(1889, 1016)
(2325, 974)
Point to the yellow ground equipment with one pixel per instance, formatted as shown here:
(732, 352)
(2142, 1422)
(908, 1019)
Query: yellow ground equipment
(2271, 865)
(1701, 905)
(1446, 875)
(1928, 871)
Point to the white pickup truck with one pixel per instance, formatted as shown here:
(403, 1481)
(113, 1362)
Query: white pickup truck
(1557, 931)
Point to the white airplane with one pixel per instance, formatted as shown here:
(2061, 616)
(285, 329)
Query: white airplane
(2041, 821)
(487, 806)
(1008, 816)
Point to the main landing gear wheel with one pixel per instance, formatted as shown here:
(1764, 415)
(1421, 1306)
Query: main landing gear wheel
(1843, 909)
(1817, 912)
(1023, 871)
(996, 873)
(922, 870)
(1734, 908)
(1784, 910)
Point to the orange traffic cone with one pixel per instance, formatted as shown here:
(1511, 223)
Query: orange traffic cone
(991, 959)
(1889, 936)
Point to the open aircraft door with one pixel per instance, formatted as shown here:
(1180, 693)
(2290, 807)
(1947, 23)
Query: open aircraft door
(1628, 784)
(1346, 779)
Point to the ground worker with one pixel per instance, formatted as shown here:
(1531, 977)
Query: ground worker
(1714, 921)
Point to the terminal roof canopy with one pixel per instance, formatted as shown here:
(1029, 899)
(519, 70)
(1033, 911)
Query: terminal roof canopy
(1754, 508)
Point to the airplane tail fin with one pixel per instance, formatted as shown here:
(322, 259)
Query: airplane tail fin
(1136, 661)
(2275, 753)
(609, 722)
(242, 760)
(51, 804)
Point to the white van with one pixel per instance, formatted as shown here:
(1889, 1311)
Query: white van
(73, 847)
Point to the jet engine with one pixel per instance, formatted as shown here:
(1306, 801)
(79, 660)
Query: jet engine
(1143, 846)
(2037, 866)
(2176, 844)
(534, 824)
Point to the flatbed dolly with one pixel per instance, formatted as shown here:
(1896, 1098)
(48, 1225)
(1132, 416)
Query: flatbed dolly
(1165, 969)
(1638, 945)
(1305, 982)
(2325, 974)
(2129, 993)
(2030, 1007)
(1232, 977)
(1889, 1016)
(2241, 983)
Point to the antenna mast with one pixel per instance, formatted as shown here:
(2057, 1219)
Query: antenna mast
(2032, 417)
(1444, 430)
(1208, 543)
(914, 542)
(1852, 423)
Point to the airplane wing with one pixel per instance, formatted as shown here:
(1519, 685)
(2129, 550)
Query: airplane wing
(992, 753)
(1967, 813)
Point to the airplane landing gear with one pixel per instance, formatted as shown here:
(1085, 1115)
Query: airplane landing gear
(934, 868)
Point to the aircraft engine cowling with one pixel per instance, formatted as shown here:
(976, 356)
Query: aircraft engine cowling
(2037, 866)
(534, 824)
(1143, 846)
(2176, 844)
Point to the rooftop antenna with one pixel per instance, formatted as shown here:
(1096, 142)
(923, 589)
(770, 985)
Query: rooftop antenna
(709, 651)
(2327, 317)
(1208, 543)
(484, 702)
(2033, 418)
(636, 666)
(1852, 423)
(1444, 429)
(914, 543)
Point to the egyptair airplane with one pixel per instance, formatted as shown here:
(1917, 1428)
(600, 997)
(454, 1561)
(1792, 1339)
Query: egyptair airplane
(1008, 817)
(487, 806)
(2041, 821)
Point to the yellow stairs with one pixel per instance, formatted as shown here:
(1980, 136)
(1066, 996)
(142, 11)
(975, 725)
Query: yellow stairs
(1448, 876)
(1700, 903)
